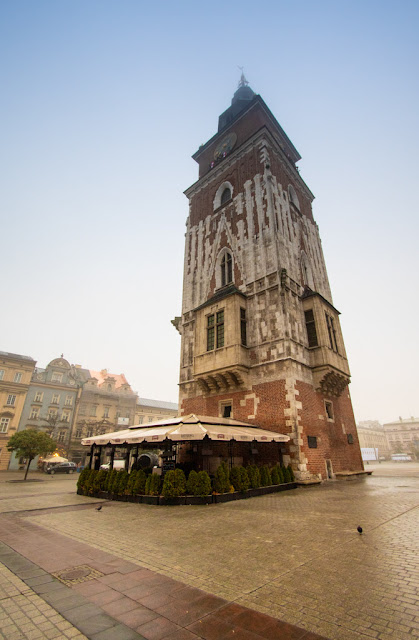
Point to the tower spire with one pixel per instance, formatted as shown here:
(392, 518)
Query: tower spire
(243, 82)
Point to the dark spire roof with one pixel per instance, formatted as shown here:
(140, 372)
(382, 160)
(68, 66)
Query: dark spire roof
(242, 97)
(244, 92)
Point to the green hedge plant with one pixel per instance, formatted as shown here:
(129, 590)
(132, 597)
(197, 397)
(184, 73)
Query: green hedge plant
(139, 484)
(239, 479)
(265, 476)
(254, 476)
(174, 484)
(221, 482)
(152, 486)
(203, 484)
(191, 483)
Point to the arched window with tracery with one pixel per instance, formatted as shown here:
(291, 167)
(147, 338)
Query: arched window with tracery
(226, 269)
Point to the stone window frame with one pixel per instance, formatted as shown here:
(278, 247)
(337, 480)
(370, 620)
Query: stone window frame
(329, 411)
(4, 424)
(222, 405)
(55, 398)
(11, 400)
(293, 198)
(18, 376)
(39, 396)
(34, 415)
(1, 374)
(215, 330)
(221, 264)
(56, 376)
(218, 195)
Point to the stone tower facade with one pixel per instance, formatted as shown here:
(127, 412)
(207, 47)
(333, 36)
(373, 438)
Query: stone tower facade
(261, 339)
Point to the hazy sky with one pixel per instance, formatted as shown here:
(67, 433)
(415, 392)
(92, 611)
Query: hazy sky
(102, 105)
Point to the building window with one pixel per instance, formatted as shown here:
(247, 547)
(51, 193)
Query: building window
(65, 416)
(56, 377)
(61, 436)
(350, 438)
(226, 269)
(38, 396)
(93, 411)
(106, 412)
(69, 401)
(1, 374)
(312, 442)
(332, 332)
(4, 424)
(52, 413)
(11, 399)
(243, 328)
(215, 330)
(34, 413)
(150, 418)
(225, 196)
(18, 377)
(140, 419)
(293, 196)
(226, 409)
(89, 432)
(55, 398)
(329, 410)
(311, 328)
(78, 433)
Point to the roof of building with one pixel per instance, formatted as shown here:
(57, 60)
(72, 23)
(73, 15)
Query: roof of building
(16, 355)
(104, 375)
(157, 404)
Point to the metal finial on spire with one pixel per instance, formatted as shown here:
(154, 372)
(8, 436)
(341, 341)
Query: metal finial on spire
(243, 82)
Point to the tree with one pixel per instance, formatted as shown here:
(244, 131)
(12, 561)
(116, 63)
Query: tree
(31, 443)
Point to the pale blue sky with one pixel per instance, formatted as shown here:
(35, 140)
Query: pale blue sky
(102, 105)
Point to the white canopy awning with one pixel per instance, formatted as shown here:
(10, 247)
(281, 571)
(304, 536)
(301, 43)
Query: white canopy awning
(186, 428)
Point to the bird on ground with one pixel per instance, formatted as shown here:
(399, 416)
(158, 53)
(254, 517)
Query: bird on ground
(98, 508)
(359, 529)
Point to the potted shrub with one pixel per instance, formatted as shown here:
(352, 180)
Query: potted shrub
(199, 489)
(152, 489)
(174, 487)
(139, 485)
(265, 476)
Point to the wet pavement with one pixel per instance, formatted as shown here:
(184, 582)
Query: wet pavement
(288, 565)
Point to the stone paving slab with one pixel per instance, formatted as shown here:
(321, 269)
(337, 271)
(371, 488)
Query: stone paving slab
(297, 558)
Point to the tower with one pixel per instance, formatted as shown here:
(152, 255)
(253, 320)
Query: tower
(261, 339)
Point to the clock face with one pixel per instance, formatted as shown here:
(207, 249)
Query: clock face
(225, 146)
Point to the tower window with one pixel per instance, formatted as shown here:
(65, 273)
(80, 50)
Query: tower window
(225, 196)
(332, 332)
(215, 330)
(227, 411)
(243, 328)
(311, 328)
(329, 410)
(226, 269)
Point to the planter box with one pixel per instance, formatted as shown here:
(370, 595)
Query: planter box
(103, 494)
(227, 497)
(172, 501)
(198, 500)
(150, 499)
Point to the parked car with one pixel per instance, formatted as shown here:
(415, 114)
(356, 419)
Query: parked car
(62, 467)
(117, 464)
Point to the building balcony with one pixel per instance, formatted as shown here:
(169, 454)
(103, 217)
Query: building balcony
(222, 369)
(330, 371)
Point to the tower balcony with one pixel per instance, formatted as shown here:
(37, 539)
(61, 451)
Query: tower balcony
(222, 369)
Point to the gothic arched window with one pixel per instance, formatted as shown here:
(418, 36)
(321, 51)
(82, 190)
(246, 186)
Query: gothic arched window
(226, 269)
(225, 196)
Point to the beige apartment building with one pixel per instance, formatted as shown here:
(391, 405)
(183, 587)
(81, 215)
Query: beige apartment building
(15, 377)
(371, 435)
(148, 410)
(403, 436)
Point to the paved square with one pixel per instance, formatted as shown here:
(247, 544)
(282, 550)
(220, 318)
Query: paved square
(296, 556)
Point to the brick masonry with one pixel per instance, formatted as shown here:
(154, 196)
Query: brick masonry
(276, 380)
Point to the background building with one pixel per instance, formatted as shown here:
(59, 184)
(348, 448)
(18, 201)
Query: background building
(51, 403)
(15, 377)
(107, 403)
(403, 436)
(371, 435)
(261, 339)
(150, 410)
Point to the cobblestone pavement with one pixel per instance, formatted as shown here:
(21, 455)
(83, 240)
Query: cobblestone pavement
(295, 556)
(23, 614)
